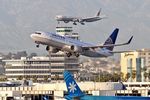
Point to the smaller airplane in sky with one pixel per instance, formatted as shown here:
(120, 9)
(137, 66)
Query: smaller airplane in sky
(80, 20)
(75, 93)
(55, 43)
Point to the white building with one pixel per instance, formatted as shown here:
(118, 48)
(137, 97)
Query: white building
(67, 31)
(58, 89)
(40, 68)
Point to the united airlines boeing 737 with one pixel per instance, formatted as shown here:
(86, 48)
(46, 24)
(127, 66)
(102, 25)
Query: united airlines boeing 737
(75, 93)
(81, 20)
(75, 47)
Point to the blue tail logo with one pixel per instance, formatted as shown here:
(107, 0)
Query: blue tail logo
(112, 39)
(72, 87)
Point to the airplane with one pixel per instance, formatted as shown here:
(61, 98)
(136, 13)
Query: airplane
(75, 93)
(80, 20)
(70, 46)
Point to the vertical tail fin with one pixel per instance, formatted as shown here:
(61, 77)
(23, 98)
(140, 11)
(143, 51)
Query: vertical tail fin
(72, 87)
(123, 86)
(98, 13)
(112, 39)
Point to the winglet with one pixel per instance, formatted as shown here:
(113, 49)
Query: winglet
(130, 40)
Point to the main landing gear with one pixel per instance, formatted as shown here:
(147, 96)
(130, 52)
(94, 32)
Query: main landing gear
(77, 54)
(74, 23)
(69, 54)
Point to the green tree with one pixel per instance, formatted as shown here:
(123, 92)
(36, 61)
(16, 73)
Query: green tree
(3, 79)
(27, 77)
(149, 74)
(144, 68)
(122, 76)
(56, 77)
(116, 77)
(34, 78)
(145, 75)
(19, 77)
(46, 78)
(127, 76)
(133, 74)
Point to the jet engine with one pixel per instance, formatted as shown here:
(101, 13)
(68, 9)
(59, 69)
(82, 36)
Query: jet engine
(72, 48)
(76, 48)
(52, 49)
(75, 20)
(66, 21)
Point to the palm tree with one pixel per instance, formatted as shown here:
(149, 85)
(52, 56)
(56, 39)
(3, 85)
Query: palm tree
(46, 78)
(133, 74)
(27, 77)
(116, 77)
(19, 77)
(34, 78)
(145, 75)
(127, 76)
(56, 77)
(149, 74)
(3, 79)
(122, 76)
(144, 68)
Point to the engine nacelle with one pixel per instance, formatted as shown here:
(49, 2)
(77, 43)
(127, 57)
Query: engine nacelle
(76, 48)
(80, 20)
(72, 48)
(75, 20)
(52, 49)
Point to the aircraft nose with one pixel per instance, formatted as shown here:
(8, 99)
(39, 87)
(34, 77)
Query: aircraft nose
(56, 17)
(32, 36)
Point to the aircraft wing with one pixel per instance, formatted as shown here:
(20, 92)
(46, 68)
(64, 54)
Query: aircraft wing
(88, 19)
(121, 51)
(109, 45)
(91, 19)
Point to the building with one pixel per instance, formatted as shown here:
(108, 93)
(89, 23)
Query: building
(136, 65)
(135, 89)
(67, 31)
(40, 69)
(53, 91)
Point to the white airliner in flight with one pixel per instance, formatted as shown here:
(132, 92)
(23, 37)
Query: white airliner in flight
(81, 20)
(76, 47)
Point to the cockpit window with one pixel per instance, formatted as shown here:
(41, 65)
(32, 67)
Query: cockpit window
(37, 33)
